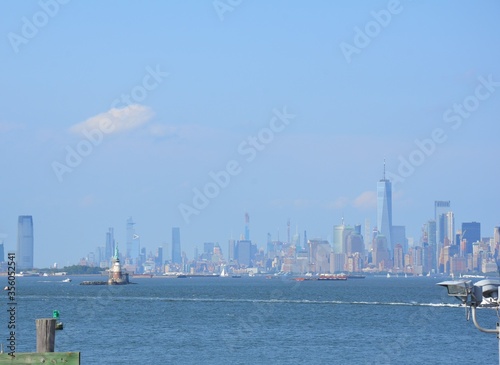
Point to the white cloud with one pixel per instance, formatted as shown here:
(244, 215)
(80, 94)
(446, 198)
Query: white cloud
(366, 200)
(116, 120)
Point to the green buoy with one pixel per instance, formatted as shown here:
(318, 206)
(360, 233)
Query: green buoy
(59, 325)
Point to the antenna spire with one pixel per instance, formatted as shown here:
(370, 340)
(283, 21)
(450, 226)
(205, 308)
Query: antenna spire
(384, 168)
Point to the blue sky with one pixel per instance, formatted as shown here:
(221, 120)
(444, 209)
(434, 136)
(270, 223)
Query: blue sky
(184, 85)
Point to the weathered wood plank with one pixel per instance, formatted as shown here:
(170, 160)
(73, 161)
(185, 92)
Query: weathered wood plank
(45, 334)
(28, 358)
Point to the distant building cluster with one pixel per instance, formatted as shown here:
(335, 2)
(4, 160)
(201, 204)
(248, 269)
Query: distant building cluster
(443, 248)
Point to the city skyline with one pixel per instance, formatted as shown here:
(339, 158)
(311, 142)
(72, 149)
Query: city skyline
(182, 115)
(445, 231)
(338, 242)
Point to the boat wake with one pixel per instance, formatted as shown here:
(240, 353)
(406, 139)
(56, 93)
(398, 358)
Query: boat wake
(258, 301)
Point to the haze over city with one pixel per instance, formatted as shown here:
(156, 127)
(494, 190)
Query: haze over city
(189, 114)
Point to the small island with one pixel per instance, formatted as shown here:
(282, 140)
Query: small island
(117, 276)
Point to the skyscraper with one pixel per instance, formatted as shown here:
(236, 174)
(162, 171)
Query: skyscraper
(2, 252)
(441, 207)
(110, 245)
(319, 256)
(176, 245)
(449, 228)
(247, 227)
(380, 254)
(25, 242)
(431, 251)
(340, 234)
(431, 233)
(471, 231)
(384, 210)
(399, 236)
(244, 252)
(232, 244)
(133, 243)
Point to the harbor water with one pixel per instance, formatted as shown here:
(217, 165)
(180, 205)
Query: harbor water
(376, 320)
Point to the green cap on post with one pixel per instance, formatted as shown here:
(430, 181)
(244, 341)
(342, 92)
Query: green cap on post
(55, 314)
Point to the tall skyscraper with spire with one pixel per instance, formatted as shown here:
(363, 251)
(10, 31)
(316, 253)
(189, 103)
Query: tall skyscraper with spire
(384, 209)
(25, 242)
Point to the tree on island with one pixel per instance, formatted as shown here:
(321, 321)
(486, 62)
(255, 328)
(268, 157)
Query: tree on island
(82, 270)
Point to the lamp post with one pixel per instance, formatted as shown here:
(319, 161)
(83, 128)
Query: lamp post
(483, 294)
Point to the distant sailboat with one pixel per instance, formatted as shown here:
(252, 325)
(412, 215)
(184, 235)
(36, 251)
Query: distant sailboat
(388, 275)
(224, 273)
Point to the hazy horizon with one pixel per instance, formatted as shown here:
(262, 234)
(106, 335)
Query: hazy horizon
(285, 110)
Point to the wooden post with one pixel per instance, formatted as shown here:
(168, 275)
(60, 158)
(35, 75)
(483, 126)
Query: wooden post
(45, 334)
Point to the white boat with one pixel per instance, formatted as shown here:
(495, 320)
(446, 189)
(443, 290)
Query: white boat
(224, 273)
(467, 276)
(28, 273)
(67, 280)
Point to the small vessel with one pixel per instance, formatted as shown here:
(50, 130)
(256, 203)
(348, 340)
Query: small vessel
(332, 277)
(224, 273)
(355, 276)
(67, 280)
(28, 273)
(467, 276)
